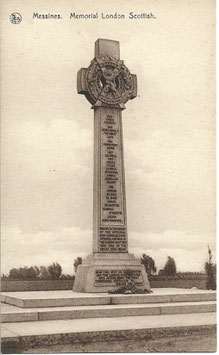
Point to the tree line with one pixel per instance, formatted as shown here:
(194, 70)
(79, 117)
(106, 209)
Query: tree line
(54, 271)
(51, 272)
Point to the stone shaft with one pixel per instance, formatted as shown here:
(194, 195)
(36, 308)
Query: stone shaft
(110, 222)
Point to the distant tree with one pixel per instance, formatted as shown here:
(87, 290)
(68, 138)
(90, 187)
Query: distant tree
(149, 264)
(29, 273)
(55, 271)
(44, 273)
(37, 270)
(211, 272)
(170, 267)
(14, 274)
(23, 273)
(77, 262)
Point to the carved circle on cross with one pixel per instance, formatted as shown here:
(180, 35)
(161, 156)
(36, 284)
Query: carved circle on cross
(109, 81)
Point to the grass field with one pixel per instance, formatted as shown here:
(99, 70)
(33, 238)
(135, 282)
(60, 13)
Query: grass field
(155, 282)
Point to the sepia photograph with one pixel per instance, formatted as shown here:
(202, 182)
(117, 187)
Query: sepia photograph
(108, 176)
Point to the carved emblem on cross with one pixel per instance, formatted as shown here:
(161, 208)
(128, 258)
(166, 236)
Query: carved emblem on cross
(107, 82)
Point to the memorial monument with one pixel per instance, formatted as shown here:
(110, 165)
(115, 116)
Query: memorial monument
(108, 85)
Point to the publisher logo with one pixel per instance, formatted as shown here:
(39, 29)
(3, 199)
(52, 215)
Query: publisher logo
(15, 18)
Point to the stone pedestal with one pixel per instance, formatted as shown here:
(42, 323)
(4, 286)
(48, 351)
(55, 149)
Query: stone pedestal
(108, 84)
(102, 272)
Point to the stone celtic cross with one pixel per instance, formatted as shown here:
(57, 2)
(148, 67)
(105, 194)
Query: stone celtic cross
(108, 85)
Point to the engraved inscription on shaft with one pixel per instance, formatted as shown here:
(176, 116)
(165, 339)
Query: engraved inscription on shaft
(111, 172)
(112, 230)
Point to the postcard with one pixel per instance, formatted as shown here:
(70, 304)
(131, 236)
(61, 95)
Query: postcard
(108, 176)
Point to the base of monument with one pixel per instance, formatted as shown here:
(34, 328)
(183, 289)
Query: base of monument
(104, 272)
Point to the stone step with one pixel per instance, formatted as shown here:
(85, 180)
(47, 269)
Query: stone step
(16, 336)
(15, 314)
(36, 299)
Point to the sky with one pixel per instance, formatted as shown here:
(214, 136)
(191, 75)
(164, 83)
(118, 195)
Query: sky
(47, 131)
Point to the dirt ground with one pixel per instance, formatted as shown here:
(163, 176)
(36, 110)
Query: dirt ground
(194, 343)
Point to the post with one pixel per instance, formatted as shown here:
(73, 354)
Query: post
(108, 85)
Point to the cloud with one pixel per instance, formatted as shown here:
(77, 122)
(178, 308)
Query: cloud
(38, 151)
(174, 163)
(47, 175)
(66, 244)
(44, 247)
(188, 250)
(170, 180)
